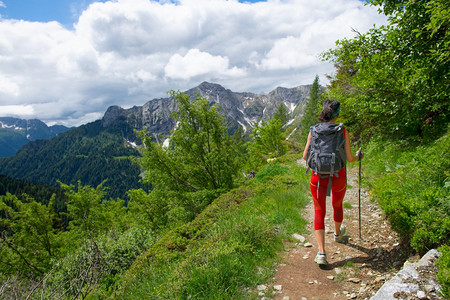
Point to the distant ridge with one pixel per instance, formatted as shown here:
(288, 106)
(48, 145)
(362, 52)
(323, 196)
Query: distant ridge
(14, 133)
(99, 150)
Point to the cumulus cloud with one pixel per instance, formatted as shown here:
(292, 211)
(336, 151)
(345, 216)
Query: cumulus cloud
(17, 110)
(127, 52)
(196, 63)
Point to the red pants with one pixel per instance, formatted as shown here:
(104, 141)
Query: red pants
(338, 188)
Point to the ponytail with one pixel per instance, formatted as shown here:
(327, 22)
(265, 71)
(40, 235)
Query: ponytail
(330, 110)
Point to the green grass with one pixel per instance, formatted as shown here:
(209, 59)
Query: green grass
(412, 186)
(347, 205)
(230, 248)
(443, 275)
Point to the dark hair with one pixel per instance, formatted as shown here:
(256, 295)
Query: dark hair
(331, 109)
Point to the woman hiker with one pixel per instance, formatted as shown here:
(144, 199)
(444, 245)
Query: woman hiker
(319, 183)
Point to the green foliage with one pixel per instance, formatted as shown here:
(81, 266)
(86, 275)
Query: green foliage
(95, 267)
(268, 142)
(89, 154)
(200, 162)
(201, 154)
(269, 171)
(90, 214)
(282, 114)
(413, 187)
(230, 247)
(443, 275)
(29, 236)
(311, 110)
(23, 189)
(394, 80)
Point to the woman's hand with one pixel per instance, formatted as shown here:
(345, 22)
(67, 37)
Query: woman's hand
(359, 154)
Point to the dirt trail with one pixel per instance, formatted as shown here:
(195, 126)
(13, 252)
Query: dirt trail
(357, 268)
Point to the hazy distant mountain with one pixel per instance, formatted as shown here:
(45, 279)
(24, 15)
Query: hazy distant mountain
(99, 150)
(14, 133)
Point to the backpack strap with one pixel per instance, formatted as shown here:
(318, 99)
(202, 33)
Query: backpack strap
(311, 154)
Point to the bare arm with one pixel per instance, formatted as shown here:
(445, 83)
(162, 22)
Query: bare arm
(305, 152)
(348, 150)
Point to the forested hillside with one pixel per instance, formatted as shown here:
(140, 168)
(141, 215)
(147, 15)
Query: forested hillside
(89, 154)
(40, 193)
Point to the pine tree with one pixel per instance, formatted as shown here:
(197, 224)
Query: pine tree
(311, 108)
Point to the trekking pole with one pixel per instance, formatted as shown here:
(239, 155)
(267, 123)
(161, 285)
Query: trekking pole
(359, 191)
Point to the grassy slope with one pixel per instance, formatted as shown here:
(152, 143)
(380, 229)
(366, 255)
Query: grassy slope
(231, 246)
(234, 244)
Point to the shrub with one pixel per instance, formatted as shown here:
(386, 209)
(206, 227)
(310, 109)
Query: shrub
(443, 275)
(412, 186)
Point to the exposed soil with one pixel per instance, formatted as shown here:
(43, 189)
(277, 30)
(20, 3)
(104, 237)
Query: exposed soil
(357, 268)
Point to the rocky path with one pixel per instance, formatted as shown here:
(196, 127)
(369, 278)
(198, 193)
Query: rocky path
(357, 268)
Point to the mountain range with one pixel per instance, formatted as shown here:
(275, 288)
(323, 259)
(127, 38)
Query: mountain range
(99, 151)
(14, 133)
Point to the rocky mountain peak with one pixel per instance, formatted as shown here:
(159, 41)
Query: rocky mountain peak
(241, 109)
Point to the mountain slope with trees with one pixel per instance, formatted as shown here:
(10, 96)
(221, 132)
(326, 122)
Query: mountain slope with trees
(14, 133)
(88, 154)
(99, 150)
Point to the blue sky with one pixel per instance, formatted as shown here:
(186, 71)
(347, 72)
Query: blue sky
(66, 61)
(64, 11)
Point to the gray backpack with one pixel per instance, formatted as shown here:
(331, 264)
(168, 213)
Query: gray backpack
(326, 154)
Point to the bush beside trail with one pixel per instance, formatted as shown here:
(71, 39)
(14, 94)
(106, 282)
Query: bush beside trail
(412, 187)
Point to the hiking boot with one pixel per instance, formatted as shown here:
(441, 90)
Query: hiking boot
(339, 237)
(321, 258)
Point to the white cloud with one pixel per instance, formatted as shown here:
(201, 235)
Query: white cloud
(196, 63)
(17, 110)
(8, 88)
(126, 52)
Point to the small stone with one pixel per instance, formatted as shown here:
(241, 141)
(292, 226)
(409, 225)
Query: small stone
(286, 298)
(331, 277)
(299, 237)
(379, 279)
(304, 298)
(421, 295)
(354, 280)
(352, 296)
(308, 245)
(429, 288)
(311, 282)
(261, 287)
(408, 262)
(305, 257)
(277, 287)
